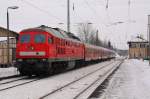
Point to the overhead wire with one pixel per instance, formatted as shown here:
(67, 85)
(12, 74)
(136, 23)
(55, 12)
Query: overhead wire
(75, 12)
(128, 22)
(108, 17)
(96, 14)
(91, 8)
(93, 11)
(107, 2)
(42, 10)
(107, 11)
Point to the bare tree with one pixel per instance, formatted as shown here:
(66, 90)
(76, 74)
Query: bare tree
(85, 31)
(88, 34)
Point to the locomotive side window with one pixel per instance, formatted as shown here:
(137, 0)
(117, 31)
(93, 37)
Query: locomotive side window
(25, 38)
(50, 40)
(39, 38)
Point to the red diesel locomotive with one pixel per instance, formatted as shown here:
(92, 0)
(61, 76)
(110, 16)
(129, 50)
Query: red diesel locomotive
(44, 50)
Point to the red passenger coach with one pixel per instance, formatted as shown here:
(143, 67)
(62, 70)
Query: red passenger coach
(93, 52)
(43, 49)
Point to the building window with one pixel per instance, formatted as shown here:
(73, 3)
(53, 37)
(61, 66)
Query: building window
(142, 45)
(133, 45)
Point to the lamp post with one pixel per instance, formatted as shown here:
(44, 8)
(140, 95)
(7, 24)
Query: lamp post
(149, 37)
(11, 7)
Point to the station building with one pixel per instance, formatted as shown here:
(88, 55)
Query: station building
(138, 49)
(4, 48)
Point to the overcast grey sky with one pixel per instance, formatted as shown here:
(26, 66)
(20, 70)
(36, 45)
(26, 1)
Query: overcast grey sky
(32, 13)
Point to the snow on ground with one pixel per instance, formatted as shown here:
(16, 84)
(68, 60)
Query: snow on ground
(4, 72)
(39, 88)
(131, 81)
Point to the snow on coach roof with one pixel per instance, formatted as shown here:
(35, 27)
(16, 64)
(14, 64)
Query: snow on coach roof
(99, 47)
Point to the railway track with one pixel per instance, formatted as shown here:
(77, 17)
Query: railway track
(16, 81)
(62, 88)
(94, 82)
(9, 77)
(25, 84)
(99, 81)
(5, 85)
(10, 80)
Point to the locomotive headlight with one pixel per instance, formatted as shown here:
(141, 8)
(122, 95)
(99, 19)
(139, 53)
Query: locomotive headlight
(20, 60)
(43, 59)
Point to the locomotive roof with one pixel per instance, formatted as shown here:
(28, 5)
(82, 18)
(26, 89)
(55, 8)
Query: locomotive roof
(51, 30)
(45, 28)
(67, 34)
(56, 32)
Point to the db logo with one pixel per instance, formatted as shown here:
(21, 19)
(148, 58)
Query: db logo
(31, 48)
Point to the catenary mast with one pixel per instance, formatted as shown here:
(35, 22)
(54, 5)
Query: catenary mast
(68, 15)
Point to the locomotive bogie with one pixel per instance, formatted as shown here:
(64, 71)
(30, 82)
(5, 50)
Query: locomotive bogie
(33, 66)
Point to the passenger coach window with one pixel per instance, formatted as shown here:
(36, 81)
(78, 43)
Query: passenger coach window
(25, 38)
(39, 38)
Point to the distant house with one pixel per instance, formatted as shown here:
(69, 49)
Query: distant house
(138, 48)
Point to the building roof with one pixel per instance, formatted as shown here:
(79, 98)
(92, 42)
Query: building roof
(4, 31)
(137, 40)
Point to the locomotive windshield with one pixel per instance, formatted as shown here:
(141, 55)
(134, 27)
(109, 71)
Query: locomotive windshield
(25, 38)
(39, 38)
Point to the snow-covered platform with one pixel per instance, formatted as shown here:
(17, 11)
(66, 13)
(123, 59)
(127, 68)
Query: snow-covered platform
(5, 72)
(131, 81)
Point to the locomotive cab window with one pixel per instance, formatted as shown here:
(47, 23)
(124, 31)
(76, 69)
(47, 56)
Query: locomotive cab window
(25, 38)
(39, 38)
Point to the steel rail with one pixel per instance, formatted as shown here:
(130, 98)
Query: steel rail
(16, 85)
(17, 79)
(72, 82)
(8, 77)
(99, 78)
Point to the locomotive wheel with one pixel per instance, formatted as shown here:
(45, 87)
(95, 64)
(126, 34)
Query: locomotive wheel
(59, 67)
(71, 65)
(23, 72)
(50, 69)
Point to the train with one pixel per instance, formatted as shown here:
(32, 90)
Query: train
(46, 50)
